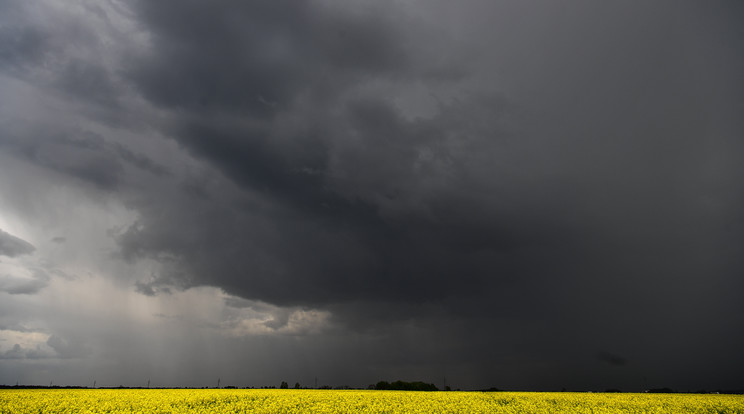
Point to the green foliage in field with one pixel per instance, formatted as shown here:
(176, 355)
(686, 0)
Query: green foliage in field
(348, 401)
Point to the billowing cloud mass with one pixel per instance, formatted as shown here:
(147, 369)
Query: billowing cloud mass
(507, 194)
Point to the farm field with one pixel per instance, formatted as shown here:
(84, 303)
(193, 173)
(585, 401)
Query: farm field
(357, 401)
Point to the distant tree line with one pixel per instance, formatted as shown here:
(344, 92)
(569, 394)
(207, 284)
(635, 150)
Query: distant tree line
(382, 385)
(405, 386)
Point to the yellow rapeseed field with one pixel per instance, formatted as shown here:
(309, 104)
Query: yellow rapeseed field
(352, 401)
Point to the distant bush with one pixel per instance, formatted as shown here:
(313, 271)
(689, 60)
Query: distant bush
(406, 386)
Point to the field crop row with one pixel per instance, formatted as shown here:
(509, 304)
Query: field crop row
(19, 401)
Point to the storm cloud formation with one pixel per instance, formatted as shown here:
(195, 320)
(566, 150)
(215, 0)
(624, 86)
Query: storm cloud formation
(492, 192)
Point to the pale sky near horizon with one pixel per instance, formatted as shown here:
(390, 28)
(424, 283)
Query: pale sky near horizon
(523, 195)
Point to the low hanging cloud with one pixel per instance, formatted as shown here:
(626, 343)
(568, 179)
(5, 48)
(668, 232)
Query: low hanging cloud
(54, 347)
(22, 285)
(13, 246)
(26, 344)
(18, 352)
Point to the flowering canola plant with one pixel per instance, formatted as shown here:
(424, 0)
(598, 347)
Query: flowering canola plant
(353, 401)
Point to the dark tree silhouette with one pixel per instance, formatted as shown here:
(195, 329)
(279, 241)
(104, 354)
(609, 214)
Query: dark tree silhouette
(406, 386)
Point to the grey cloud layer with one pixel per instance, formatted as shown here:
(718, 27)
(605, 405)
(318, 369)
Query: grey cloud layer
(12, 246)
(24, 286)
(74, 152)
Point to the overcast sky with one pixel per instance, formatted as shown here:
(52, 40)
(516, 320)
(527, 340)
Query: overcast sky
(524, 195)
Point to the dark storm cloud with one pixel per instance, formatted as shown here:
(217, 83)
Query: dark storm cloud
(329, 170)
(12, 246)
(88, 81)
(50, 52)
(23, 45)
(75, 152)
(266, 54)
(574, 185)
(138, 160)
(326, 237)
(366, 203)
(287, 150)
